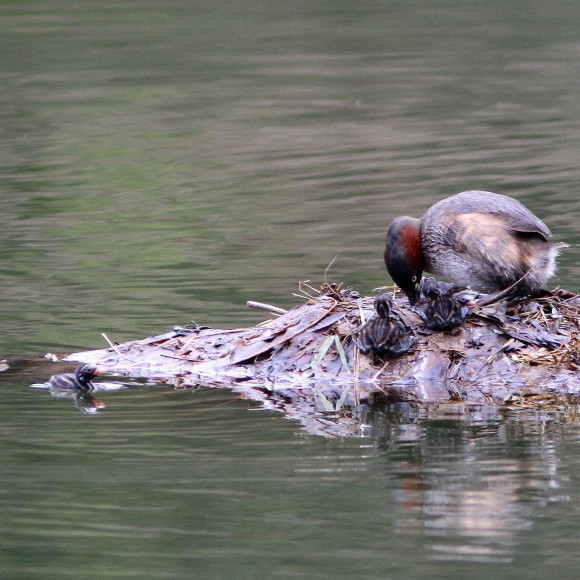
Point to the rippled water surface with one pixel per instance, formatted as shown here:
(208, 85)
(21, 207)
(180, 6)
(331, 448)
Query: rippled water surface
(167, 161)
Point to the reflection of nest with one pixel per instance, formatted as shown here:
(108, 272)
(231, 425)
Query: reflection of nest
(305, 356)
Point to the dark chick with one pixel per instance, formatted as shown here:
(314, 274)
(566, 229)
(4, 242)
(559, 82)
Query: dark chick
(443, 306)
(477, 239)
(385, 332)
(80, 379)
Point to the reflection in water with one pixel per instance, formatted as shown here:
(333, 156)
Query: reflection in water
(193, 473)
(469, 479)
(83, 400)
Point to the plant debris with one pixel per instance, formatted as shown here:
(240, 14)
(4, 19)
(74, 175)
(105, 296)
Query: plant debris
(305, 360)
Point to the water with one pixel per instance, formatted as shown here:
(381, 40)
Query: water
(163, 161)
(172, 484)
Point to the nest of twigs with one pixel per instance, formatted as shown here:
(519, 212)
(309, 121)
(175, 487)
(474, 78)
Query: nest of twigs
(525, 346)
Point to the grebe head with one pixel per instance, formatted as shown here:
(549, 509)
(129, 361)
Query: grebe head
(404, 257)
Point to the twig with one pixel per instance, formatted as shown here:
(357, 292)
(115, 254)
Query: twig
(268, 307)
(392, 288)
(378, 373)
(356, 387)
(329, 266)
(492, 356)
(114, 347)
(360, 312)
(544, 319)
(305, 294)
(493, 298)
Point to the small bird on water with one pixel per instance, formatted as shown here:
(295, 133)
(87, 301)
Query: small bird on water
(385, 332)
(80, 379)
(476, 239)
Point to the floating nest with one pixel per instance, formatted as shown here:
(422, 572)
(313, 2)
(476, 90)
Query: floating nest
(304, 361)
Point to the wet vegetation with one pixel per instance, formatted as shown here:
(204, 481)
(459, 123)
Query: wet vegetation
(503, 353)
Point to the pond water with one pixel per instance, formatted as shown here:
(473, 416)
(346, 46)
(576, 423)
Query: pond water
(167, 161)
